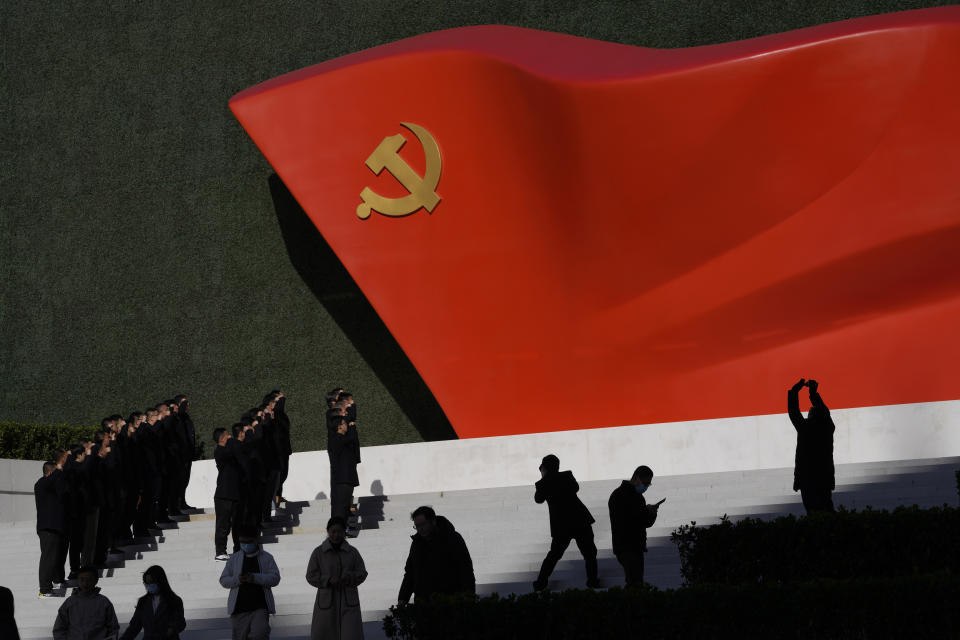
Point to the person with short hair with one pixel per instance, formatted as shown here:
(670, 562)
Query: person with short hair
(343, 450)
(569, 520)
(229, 492)
(189, 444)
(159, 612)
(48, 494)
(87, 614)
(336, 569)
(813, 472)
(250, 574)
(630, 517)
(438, 562)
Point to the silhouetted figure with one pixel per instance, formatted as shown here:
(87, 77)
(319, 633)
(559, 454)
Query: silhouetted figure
(8, 625)
(343, 449)
(813, 469)
(189, 445)
(48, 493)
(228, 497)
(336, 569)
(159, 612)
(439, 561)
(569, 520)
(630, 517)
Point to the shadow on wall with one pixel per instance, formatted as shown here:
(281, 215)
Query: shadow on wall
(333, 286)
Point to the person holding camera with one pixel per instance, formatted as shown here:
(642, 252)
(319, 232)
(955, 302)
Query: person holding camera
(813, 473)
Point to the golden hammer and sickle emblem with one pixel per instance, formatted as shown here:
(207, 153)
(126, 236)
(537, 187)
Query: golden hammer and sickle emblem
(422, 190)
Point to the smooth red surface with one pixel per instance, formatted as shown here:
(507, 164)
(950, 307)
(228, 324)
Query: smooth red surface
(629, 235)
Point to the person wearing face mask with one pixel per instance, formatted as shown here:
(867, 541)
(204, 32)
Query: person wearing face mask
(335, 569)
(249, 574)
(569, 520)
(159, 612)
(630, 517)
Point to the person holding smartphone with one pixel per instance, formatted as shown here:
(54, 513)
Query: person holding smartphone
(630, 517)
(813, 472)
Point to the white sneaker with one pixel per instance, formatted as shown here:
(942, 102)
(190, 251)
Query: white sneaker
(223, 557)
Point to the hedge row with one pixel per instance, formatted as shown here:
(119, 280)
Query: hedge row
(921, 606)
(847, 544)
(31, 441)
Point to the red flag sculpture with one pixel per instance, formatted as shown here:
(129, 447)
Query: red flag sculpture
(565, 233)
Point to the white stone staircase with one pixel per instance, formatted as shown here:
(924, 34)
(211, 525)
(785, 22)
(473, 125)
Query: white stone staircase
(506, 532)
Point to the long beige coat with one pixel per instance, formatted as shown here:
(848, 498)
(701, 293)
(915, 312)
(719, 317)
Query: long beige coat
(336, 610)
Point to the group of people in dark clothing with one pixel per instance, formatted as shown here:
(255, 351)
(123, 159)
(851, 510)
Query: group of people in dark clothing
(253, 459)
(95, 477)
(630, 517)
(98, 495)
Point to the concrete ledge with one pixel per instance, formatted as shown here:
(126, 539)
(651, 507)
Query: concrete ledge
(871, 434)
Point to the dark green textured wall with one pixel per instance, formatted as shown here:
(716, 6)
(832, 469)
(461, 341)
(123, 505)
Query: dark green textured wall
(143, 252)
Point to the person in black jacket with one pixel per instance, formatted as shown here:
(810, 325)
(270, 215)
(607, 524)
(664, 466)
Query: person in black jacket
(8, 624)
(630, 517)
(159, 612)
(229, 492)
(151, 450)
(569, 520)
(438, 562)
(131, 472)
(48, 493)
(283, 436)
(189, 445)
(343, 449)
(813, 473)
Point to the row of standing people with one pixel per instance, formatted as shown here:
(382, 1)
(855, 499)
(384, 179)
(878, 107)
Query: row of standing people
(97, 495)
(253, 459)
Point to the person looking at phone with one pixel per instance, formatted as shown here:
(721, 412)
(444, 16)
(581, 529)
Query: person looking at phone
(630, 517)
(813, 473)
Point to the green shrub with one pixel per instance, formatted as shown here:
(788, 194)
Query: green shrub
(25, 441)
(905, 607)
(846, 544)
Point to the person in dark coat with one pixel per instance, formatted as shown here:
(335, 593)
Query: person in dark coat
(159, 612)
(813, 474)
(343, 449)
(569, 520)
(438, 562)
(286, 447)
(48, 492)
(151, 450)
(630, 517)
(8, 624)
(229, 493)
(249, 437)
(270, 452)
(189, 444)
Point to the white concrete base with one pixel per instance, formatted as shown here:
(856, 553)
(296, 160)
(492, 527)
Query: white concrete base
(872, 434)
